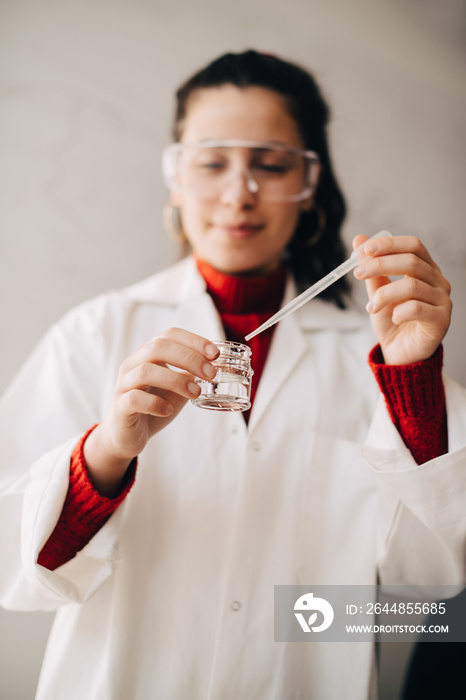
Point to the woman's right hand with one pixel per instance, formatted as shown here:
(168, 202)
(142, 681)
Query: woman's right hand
(149, 393)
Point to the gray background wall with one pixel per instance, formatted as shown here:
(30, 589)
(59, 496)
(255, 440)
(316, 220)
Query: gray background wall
(85, 105)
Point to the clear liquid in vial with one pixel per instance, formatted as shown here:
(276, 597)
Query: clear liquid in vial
(228, 391)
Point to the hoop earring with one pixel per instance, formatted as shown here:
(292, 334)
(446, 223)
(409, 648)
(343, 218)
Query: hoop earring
(172, 223)
(319, 232)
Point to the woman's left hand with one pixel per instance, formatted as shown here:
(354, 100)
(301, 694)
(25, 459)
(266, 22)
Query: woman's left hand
(410, 316)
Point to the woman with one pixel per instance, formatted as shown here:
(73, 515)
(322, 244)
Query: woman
(162, 567)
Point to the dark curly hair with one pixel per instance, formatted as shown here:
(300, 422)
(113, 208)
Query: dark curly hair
(307, 106)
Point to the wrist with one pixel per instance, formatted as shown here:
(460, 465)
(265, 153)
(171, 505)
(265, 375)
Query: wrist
(105, 467)
(402, 357)
(377, 357)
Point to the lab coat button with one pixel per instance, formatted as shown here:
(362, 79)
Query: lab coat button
(256, 446)
(235, 605)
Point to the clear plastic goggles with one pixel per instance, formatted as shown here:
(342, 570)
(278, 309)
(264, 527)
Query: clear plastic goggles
(275, 172)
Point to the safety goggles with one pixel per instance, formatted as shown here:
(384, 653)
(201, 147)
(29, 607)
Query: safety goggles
(273, 171)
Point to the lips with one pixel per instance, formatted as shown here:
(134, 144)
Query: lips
(242, 229)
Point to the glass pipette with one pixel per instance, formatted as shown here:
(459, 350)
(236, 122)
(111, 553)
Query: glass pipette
(357, 256)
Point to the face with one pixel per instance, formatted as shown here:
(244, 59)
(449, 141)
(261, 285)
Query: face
(237, 232)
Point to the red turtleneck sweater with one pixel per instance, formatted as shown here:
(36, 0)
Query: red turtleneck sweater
(414, 395)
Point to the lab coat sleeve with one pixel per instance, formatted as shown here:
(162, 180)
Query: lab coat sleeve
(54, 399)
(422, 514)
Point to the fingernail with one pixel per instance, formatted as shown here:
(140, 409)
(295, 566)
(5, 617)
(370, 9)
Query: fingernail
(359, 271)
(209, 370)
(194, 388)
(211, 350)
(370, 306)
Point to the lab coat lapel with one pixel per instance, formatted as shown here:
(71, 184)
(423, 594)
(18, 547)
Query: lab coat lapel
(195, 309)
(289, 344)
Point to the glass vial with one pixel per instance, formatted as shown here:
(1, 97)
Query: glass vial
(230, 389)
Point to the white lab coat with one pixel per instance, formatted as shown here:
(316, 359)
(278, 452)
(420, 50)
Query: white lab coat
(173, 598)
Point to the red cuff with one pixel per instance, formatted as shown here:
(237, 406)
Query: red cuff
(415, 399)
(84, 512)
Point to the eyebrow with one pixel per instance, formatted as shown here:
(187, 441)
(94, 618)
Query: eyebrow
(254, 144)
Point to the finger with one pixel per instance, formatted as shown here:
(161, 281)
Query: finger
(389, 245)
(359, 240)
(372, 284)
(149, 375)
(403, 290)
(193, 355)
(137, 402)
(191, 340)
(415, 310)
(398, 265)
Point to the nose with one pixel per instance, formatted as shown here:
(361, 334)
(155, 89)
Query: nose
(241, 189)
